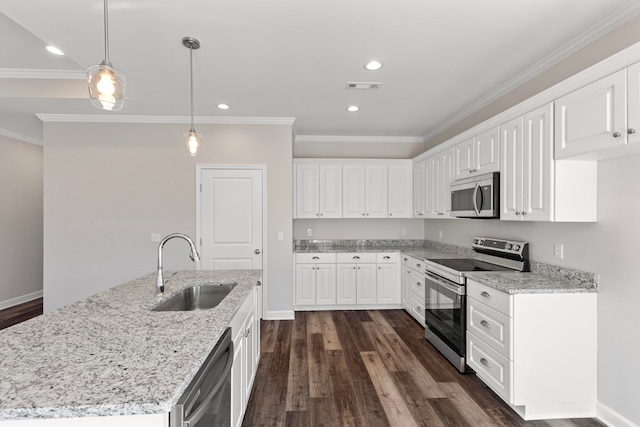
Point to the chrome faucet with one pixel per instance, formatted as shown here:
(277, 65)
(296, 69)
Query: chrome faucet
(193, 255)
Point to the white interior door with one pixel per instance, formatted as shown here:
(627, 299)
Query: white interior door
(231, 219)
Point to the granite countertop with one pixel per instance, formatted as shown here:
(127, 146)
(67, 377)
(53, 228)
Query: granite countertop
(109, 354)
(531, 283)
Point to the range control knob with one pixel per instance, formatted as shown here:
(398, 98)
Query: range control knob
(507, 246)
(516, 247)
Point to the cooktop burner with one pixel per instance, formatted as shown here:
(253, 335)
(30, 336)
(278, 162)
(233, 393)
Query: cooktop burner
(469, 264)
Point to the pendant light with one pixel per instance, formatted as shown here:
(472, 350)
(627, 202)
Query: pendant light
(106, 84)
(192, 139)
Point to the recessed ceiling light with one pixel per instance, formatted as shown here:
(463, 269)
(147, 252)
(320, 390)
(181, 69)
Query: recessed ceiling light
(373, 65)
(54, 50)
(352, 108)
(223, 107)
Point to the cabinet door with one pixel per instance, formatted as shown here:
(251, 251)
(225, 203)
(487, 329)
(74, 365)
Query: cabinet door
(418, 189)
(442, 173)
(486, 152)
(511, 190)
(346, 284)
(330, 191)
(633, 104)
(237, 382)
(388, 287)
(406, 288)
(366, 284)
(537, 165)
(400, 193)
(463, 158)
(248, 355)
(305, 284)
(427, 188)
(353, 191)
(325, 284)
(592, 118)
(376, 188)
(307, 191)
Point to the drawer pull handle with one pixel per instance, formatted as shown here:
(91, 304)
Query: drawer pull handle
(418, 265)
(406, 259)
(484, 361)
(386, 257)
(485, 294)
(485, 324)
(316, 257)
(356, 257)
(418, 283)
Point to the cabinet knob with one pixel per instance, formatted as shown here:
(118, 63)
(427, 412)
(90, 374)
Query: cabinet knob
(518, 213)
(485, 294)
(484, 361)
(524, 213)
(617, 134)
(631, 131)
(379, 268)
(485, 324)
(418, 265)
(321, 214)
(363, 214)
(367, 213)
(418, 284)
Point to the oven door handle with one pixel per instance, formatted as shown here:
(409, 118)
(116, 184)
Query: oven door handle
(475, 199)
(200, 411)
(457, 289)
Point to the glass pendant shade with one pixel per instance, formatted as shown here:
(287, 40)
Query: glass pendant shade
(106, 87)
(192, 142)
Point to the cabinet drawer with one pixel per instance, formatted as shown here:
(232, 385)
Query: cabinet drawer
(351, 257)
(417, 309)
(492, 367)
(387, 257)
(417, 283)
(413, 262)
(495, 299)
(493, 327)
(316, 257)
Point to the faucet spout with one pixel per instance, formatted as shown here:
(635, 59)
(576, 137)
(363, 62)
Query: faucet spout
(193, 255)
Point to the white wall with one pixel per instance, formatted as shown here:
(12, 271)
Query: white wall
(608, 248)
(109, 186)
(20, 221)
(358, 229)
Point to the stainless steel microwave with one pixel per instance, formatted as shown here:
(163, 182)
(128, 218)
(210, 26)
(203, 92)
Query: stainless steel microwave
(476, 197)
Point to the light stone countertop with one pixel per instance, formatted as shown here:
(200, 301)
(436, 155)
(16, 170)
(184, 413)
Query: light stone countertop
(109, 354)
(531, 283)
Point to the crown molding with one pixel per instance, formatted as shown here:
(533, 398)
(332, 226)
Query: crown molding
(584, 39)
(20, 137)
(17, 73)
(91, 118)
(360, 139)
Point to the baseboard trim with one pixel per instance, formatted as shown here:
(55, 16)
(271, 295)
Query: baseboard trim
(20, 300)
(611, 418)
(279, 315)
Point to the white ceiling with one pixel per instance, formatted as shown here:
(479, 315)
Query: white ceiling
(291, 58)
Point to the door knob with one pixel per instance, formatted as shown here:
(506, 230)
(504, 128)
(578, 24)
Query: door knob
(257, 251)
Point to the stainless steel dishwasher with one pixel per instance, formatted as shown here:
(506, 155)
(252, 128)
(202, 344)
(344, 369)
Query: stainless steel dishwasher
(207, 400)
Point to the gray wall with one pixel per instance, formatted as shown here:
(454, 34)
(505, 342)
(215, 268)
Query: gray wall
(109, 186)
(20, 221)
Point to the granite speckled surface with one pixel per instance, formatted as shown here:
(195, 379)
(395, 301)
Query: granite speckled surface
(109, 354)
(544, 278)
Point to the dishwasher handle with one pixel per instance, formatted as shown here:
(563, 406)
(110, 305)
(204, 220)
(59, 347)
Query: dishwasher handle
(200, 410)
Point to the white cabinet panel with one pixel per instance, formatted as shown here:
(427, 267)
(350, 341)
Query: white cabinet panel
(480, 154)
(633, 104)
(325, 284)
(400, 191)
(346, 284)
(330, 191)
(353, 191)
(592, 118)
(376, 191)
(419, 171)
(305, 284)
(366, 287)
(318, 191)
(388, 291)
(307, 191)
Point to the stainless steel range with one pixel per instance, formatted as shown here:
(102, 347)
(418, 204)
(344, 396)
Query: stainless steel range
(445, 299)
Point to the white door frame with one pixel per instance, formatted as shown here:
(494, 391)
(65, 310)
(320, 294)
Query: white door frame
(265, 245)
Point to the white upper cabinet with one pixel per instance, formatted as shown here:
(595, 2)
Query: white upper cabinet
(480, 154)
(318, 191)
(365, 190)
(419, 170)
(441, 176)
(376, 191)
(592, 118)
(633, 104)
(400, 193)
(353, 191)
(526, 175)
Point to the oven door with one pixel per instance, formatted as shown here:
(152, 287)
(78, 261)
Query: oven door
(445, 312)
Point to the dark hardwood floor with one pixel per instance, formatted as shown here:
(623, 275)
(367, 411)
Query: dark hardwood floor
(20, 313)
(368, 368)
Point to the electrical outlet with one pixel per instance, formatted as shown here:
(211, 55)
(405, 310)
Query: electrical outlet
(309, 232)
(280, 236)
(155, 237)
(558, 250)
(440, 234)
(404, 231)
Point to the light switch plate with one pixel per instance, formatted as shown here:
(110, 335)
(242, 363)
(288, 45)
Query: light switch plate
(558, 250)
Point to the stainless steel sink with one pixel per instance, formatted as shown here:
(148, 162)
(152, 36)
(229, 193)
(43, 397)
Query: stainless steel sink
(200, 297)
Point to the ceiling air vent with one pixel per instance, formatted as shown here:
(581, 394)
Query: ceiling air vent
(363, 85)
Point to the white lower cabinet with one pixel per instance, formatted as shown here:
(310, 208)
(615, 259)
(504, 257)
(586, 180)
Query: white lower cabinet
(536, 351)
(245, 331)
(352, 280)
(413, 292)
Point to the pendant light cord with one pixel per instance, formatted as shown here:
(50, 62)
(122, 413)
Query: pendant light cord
(106, 32)
(191, 81)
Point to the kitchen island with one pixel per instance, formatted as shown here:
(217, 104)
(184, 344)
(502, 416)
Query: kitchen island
(109, 355)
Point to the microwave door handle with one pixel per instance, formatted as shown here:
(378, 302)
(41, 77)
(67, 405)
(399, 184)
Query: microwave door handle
(475, 199)
(200, 411)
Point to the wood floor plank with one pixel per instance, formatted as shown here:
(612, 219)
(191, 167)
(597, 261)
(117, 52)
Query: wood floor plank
(313, 323)
(416, 401)
(448, 413)
(297, 419)
(394, 405)
(319, 381)
(323, 412)
(268, 334)
(329, 334)
(256, 407)
(381, 322)
(467, 406)
(392, 362)
(298, 384)
(299, 330)
(343, 392)
(358, 334)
